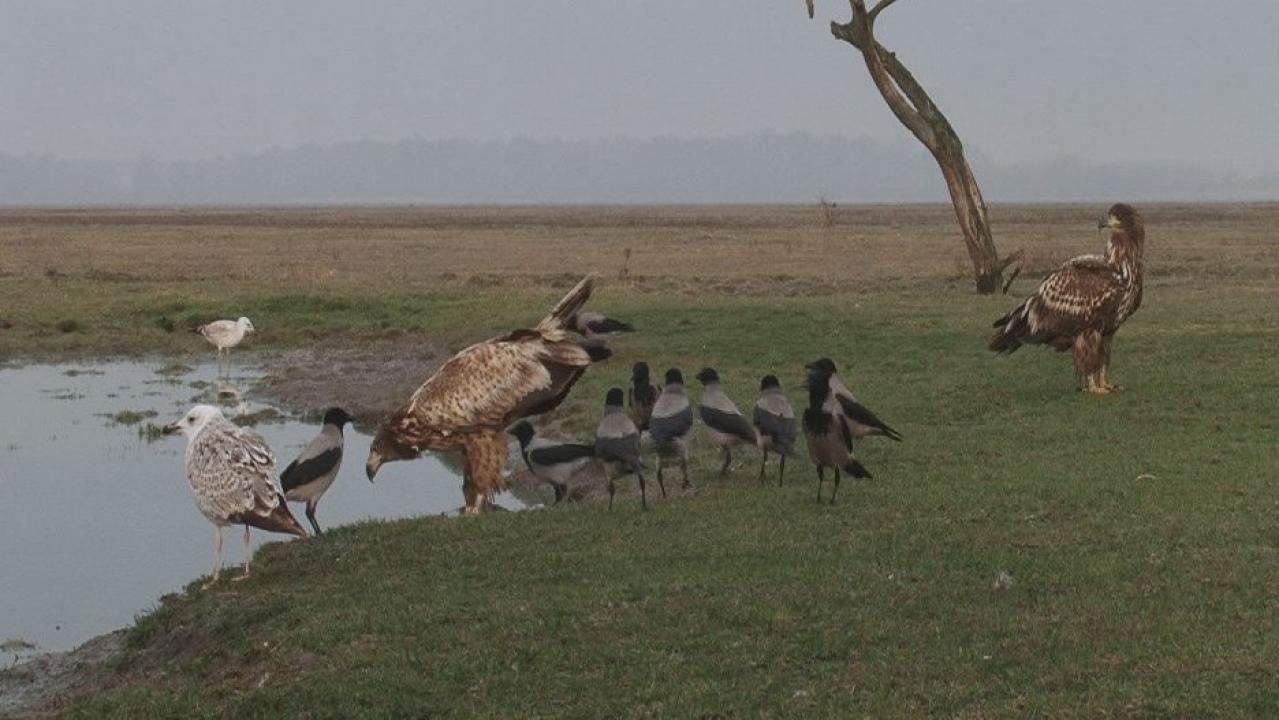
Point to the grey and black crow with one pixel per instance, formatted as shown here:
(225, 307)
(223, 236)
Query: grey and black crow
(671, 423)
(832, 420)
(775, 422)
(830, 441)
(861, 421)
(550, 461)
(593, 325)
(727, 425)
(617, 444)
(307, 478)
(642, 396)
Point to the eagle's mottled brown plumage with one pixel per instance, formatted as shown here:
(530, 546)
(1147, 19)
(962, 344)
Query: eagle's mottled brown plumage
(468, 403)
(1082, 305)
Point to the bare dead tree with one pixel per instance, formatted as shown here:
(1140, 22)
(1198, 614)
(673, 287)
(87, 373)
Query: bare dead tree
(917, 111)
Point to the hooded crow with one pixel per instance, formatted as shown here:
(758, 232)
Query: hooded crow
(307, 478)
(727, 425)
(829, 436)
(552, 462)
(596, 325)
(641, 396)
(861, 421)
(617, 443)
(671, 423)
(775, 422)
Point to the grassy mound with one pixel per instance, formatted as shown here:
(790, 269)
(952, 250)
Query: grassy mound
(1027, 550)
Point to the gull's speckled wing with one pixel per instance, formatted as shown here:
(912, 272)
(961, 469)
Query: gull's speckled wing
(232, 473)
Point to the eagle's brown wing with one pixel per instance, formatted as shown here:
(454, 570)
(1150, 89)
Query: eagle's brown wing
(496, 382)
(1083, 293)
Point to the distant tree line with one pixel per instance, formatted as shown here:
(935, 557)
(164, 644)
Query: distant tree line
(791, 168)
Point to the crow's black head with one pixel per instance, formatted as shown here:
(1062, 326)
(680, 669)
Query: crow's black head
(337, 416)
(523, 431)
(639, 373)
(614, 397)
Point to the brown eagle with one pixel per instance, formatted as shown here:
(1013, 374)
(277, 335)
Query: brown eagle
(1082, 305)
(468, 403)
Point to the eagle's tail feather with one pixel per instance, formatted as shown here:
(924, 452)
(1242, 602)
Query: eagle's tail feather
(568, 306)
(1013, 328)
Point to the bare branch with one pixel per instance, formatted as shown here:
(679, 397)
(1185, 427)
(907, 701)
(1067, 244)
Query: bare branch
(1018, 261)
(879, 7)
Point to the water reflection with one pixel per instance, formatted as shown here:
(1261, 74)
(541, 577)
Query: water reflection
(96, 518)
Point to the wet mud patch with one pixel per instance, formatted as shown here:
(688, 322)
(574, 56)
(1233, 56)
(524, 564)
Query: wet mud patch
(370, 381)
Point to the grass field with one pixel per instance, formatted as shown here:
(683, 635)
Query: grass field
(1135, 534)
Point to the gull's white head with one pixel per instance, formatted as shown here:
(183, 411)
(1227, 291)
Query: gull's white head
(245, 325)
(194, 421)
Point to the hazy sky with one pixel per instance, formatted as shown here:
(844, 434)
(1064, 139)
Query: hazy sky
(1109, 80)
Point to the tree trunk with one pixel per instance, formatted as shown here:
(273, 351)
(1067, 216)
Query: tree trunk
(916, 110)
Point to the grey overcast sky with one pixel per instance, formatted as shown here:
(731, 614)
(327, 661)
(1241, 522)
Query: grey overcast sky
(1169, 81)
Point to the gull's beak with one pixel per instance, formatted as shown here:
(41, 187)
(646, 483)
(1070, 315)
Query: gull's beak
(171, 429)
(372, 465)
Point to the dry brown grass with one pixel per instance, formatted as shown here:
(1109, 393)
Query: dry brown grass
(736, 249)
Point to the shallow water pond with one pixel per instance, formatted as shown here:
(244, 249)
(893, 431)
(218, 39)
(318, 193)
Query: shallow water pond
(96, 517)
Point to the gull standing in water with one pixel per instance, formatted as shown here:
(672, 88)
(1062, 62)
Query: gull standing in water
(226, 334)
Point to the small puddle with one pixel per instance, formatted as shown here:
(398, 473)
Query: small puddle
(96, 516)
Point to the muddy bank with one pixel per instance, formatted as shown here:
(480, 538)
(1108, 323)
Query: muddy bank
(36, 686)
(369, 380)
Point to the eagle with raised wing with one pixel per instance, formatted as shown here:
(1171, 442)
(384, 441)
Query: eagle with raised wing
(1081, 305)
(469, 402)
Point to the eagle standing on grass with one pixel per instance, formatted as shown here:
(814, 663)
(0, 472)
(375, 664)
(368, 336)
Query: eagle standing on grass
(1082, 305)
(469, 402)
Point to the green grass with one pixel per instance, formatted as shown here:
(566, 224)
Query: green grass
(120, 319)
(1139, 531)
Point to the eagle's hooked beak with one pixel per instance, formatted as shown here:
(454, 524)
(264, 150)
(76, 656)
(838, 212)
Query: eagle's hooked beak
(372, 465)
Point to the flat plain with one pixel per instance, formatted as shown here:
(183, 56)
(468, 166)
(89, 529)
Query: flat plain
(1028, 550)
